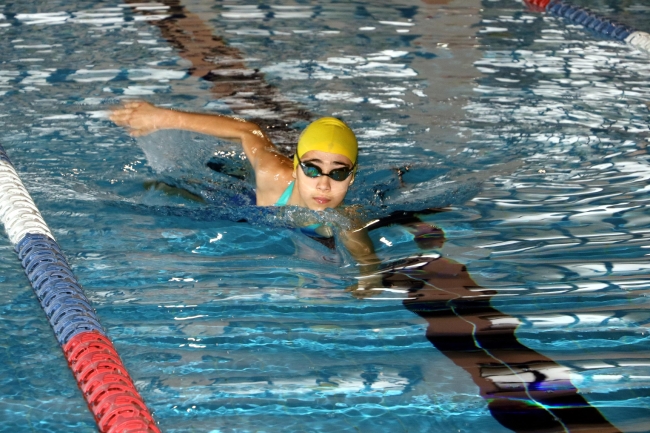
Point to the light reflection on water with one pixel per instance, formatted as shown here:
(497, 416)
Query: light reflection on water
(217, 319)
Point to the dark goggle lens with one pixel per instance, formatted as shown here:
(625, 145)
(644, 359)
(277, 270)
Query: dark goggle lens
(339, 174)
(312, 171)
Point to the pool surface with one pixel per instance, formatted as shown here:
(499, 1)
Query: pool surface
(523, 137)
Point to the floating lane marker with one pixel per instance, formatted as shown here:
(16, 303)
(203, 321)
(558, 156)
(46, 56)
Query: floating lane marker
(640, 41)
(591, 21)
(99, 371)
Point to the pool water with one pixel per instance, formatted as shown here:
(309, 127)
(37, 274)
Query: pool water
(531, 133)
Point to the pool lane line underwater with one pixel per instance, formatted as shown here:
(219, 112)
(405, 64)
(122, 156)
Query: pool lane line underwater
(591, 21)
(522, 388)
(224, 66)
(104, 381)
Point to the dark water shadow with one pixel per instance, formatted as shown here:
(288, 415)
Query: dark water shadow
(522, 387)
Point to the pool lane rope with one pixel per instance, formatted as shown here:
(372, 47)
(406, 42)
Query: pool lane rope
(98, 369)
(591, 21)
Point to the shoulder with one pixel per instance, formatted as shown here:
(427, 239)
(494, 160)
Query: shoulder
(271, 180)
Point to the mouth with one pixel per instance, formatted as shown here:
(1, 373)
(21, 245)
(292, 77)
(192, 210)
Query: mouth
(322, 200)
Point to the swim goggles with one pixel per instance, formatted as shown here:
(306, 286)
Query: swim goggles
(312, 171)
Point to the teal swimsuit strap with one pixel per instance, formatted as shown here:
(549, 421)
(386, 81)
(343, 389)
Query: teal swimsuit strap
(284, 198)
(309, 230)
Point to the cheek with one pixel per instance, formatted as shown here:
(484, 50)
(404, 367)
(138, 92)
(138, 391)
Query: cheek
(305, 190)
(340, 190)
(343, 186)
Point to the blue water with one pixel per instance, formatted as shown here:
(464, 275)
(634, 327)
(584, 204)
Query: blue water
(532, 131)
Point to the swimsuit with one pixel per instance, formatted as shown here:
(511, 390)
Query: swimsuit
(309, 230)
(284, 198)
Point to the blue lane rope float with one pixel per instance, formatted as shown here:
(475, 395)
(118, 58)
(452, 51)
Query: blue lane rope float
(98, 369)
(591, 21)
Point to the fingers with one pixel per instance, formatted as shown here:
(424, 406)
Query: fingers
(133, 104)
(116, 113)
(138, 117)
(126, 110)
(138, 132)
(361, 293)
(121, 117)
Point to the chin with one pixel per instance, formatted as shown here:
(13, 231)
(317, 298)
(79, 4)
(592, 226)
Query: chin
(321, 207)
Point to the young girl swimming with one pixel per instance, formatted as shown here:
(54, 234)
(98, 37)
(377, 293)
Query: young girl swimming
(318, 178)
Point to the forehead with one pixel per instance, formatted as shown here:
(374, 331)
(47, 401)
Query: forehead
(326, 158)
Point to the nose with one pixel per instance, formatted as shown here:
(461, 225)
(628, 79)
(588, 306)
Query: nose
(324, 183)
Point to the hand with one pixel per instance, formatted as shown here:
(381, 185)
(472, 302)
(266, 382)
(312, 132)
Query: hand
(366, 286)
(139, 118)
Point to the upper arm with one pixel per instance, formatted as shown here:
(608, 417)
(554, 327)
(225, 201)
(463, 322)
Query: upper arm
(273, 171)
(259, 149)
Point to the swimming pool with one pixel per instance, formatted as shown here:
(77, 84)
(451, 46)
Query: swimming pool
(532, 130)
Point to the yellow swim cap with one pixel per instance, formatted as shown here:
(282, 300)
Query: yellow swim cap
(327, 134)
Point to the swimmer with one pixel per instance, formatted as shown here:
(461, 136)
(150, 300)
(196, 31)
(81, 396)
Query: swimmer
(318, 177)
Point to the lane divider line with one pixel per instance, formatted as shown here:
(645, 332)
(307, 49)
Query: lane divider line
(603, 26)
(104, 381)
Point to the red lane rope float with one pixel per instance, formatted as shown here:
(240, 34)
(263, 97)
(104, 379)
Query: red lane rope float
(539, 3)
(107, 387)
(102, 377)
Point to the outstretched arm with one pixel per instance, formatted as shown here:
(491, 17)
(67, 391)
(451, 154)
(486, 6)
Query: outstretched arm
(273, 171)
(142, 118)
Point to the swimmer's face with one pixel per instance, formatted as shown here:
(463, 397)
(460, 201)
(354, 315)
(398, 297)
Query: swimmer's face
(322, 192)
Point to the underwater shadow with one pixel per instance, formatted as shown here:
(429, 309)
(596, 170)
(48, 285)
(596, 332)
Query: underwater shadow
(525, 390)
